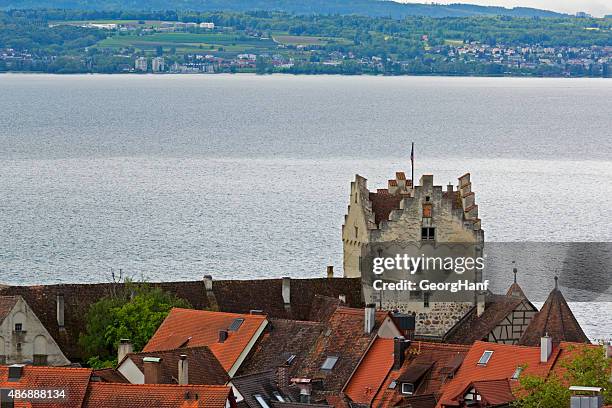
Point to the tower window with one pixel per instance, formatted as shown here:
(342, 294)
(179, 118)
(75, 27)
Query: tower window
(356, 232)
(426, 299)
(427, 198)
(428, 233)
(18, 327)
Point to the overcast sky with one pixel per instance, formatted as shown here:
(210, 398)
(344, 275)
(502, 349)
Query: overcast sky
(597, 8)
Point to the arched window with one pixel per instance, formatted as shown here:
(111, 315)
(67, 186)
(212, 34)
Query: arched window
(40, 350)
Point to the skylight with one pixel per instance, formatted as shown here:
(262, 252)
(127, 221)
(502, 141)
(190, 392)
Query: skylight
(329, 363)
(517, 373)
(392, 385)
(278, 397)
(261, 401)
(236, 324)
(290, 359)
(486, 356)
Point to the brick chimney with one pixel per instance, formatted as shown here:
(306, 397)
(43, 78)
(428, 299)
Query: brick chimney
(400, 345)
(370, 318)
(546, 346)
(60, 310)
(330, 271)
(183, 370)
(125, 347)
(152, 370)
(282, 376)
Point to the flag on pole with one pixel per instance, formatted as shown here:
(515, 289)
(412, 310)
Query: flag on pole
(412, 164)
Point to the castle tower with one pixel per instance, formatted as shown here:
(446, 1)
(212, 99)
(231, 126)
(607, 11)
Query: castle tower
(417, 220)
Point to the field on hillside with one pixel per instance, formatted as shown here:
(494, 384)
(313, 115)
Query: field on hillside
(190, 42)
(307, 40)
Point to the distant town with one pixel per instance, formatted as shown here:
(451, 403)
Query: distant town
(229, 43)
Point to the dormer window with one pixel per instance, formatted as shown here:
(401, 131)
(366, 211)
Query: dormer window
(472, 395)
(484, 359)
(407, 388)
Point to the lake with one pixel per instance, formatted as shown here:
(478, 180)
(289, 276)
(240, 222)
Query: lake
(242, 176)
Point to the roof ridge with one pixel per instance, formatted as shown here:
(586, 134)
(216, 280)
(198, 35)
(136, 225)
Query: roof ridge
(158, 385)
(254, 316)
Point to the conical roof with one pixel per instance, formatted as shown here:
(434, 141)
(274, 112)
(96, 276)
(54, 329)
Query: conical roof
(555, 319)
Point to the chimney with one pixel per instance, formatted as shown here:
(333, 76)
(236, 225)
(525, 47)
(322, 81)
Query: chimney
(282, 376)
(480, 303)
(125, 347)
(60, 310)
(370, 318)
(545, 348)
(223, 335)
(287, 291)
(208, 283)
(183, 370)
(330, 271)
(152, 370)
(400, 344)
(342, 298)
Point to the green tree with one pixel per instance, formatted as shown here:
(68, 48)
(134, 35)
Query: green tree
(134, 312)
(586, 367)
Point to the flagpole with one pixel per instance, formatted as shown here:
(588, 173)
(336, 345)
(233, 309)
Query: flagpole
(412, 163)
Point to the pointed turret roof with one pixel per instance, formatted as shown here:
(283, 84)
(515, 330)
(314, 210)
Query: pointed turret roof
(515, 289)
(555, 319)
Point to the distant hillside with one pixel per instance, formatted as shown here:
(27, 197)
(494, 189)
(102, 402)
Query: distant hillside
(373, 8)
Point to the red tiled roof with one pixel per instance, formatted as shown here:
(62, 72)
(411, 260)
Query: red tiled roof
(107, 395)
(371, 373)
(192, 328)
(444, 359)
(237, 296)
(204, 368)
(344, 338)
(73, 381)
(501, 366)
(109, 375)
(492, 392)
(383, 204)
(7, 303)
(555, 319)
(281, 340)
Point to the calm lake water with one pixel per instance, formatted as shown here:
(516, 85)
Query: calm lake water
(174, 177)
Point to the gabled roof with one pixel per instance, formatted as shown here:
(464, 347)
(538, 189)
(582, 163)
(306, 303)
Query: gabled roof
(282, 340)
(109, 375)
(437, 362)
(555, 319)
(515, 290)
(473, 327)
(344, 339)
(371, 373)
(7, 303)
(204, 368)
(193, 328)
(238, 296)
(73, 381)
(501, 366)
(261, 383)
(492, 392)
(108, 395)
